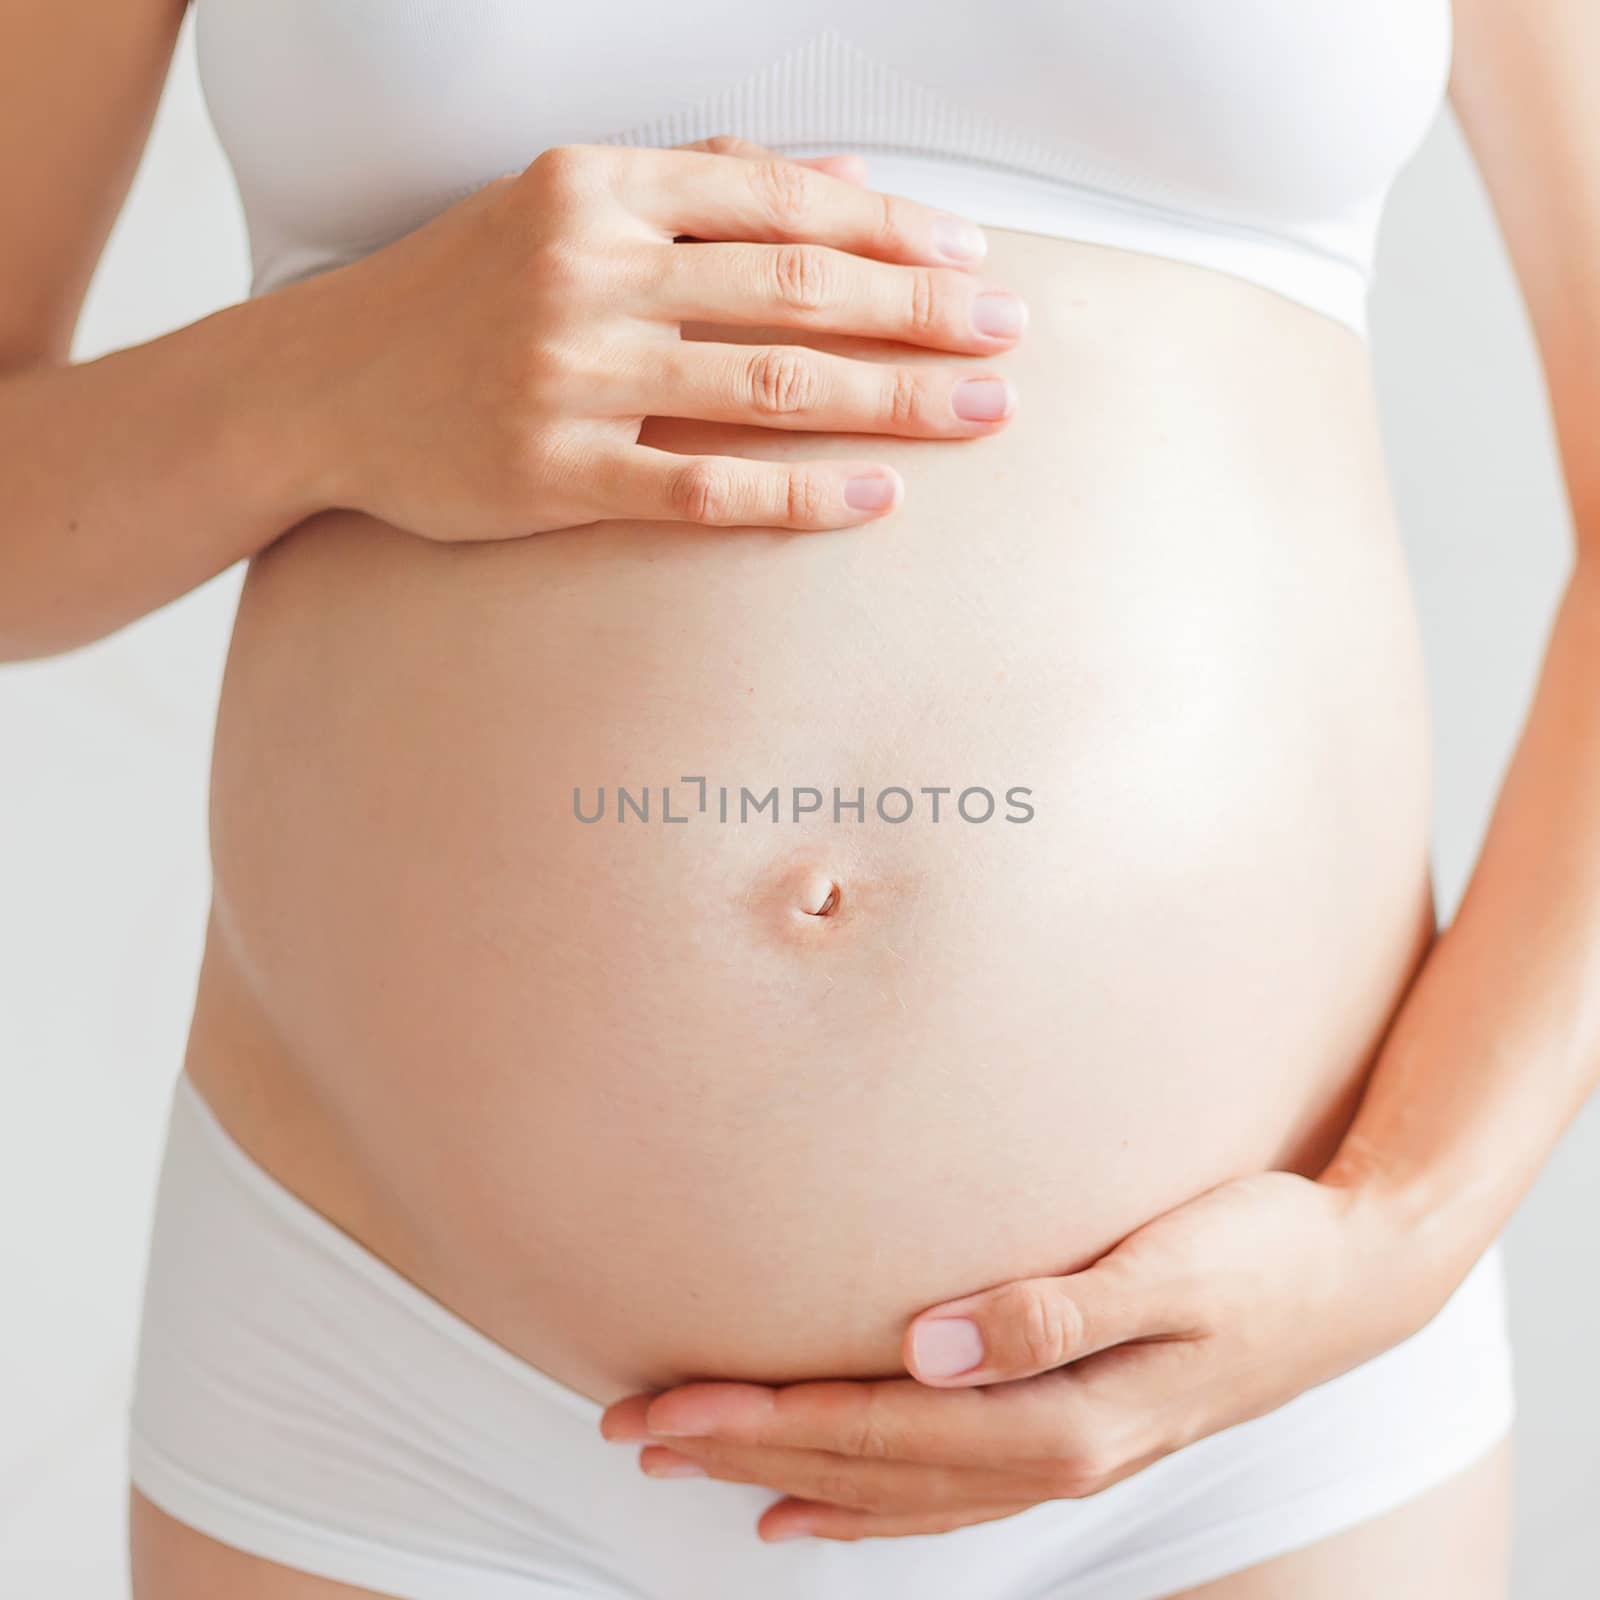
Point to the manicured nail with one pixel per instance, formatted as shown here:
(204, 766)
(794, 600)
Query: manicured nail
(671, 1467)
(869, 491)
(983, 399)
(959, 240)
(944, 1346)
(999, 314)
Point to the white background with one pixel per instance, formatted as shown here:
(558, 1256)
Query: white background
(103, 882)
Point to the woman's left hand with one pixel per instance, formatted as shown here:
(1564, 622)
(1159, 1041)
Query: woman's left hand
(1217, 1311)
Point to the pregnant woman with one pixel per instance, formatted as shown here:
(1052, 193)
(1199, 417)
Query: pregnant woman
(820, 809)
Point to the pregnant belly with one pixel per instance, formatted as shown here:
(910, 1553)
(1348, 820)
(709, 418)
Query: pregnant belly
(690, 953)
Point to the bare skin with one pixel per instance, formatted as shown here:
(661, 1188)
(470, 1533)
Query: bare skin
(1084, 605)
(1087, 571)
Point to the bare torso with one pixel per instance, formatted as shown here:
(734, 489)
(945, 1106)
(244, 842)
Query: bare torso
(609, 1090)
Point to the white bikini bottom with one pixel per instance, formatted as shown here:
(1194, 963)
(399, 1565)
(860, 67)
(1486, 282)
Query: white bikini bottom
(298, 1399)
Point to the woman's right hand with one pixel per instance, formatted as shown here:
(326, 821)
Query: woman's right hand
(486, 377)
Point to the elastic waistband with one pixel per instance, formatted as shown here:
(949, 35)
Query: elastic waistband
(1001, 197)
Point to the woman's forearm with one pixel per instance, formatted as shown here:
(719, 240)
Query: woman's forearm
(1497, 1044)
(131, 479)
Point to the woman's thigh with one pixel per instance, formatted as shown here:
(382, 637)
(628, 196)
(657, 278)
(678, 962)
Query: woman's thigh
(1454, 1540)
(171, 1561)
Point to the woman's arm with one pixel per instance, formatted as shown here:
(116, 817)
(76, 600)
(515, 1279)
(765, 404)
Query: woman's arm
(131, 479)
(1498, 1042)
(484, 377)
(128, 480)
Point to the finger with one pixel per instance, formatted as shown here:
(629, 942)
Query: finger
(892, 1419)
(810, 285)
(733, 492)
(847, 165)
(790, 1518)
(771, 200)
(821, 1475)
(851, 167)
(623, 1420)
(795, 386)
(1033, 1325)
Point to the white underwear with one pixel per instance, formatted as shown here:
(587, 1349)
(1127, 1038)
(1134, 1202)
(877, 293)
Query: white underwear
(298, 1399)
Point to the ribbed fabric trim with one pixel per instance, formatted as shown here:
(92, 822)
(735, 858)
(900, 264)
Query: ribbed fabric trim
(827, 94)
(828, 88)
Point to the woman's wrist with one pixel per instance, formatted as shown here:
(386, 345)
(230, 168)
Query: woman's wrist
(1424, 1226)
(286, 434)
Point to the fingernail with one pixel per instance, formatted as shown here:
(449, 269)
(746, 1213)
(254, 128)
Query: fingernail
(869, 491)
(999, 314)
(672, 1467)
(959, 240)
(983, 399)
(944, 1346)
(786, 1533)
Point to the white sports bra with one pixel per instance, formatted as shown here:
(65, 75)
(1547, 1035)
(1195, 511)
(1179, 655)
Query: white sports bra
(1255, 137)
